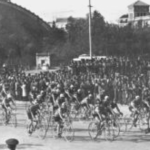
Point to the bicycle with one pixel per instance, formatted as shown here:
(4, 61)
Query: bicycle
(109, 128)
(67, 130)
(10, 118)
(40, 127)
(141, 122)
(80, 113)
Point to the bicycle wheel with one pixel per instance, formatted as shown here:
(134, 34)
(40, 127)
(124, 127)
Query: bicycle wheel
(68, 133)
(129, 124)
(93, 130)
(108, 132)
(142, 122)
(73, 114)
(52, 128)
(2, 118)
(123, 124)
(42, 128)
(13, 120)
(30, 129)
(115, 129)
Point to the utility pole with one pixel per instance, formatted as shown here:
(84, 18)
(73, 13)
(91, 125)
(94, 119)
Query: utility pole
(90, 32)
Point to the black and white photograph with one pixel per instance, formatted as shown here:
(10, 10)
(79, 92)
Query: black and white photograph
(74, 74)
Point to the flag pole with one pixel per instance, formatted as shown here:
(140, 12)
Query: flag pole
(90, 32)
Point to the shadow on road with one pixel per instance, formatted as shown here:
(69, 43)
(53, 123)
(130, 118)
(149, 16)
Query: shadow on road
(2, 146)
(26, 146)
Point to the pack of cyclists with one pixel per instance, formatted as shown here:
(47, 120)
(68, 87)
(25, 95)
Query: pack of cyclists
(99, 91)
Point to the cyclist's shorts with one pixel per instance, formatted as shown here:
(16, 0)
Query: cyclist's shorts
(84, 105)
(95, 115)
(57, 119)
(5, 107)
(29, 115)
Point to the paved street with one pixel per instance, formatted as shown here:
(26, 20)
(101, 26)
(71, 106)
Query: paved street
(132, 140)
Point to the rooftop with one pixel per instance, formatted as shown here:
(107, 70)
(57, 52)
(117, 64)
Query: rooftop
(138, 3)
(62, 20)
(124, 16)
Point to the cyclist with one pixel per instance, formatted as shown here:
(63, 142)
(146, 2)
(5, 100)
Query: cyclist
(7, 99)
(146, 105)
(87, 104)
(59, 117)
(96, 112)
(134, 108)
(33, 113)
(107, 108)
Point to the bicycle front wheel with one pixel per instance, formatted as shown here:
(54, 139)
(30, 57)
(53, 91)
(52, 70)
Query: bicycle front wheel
(13, 120)
(2, 118)
(68, 133)
(93, 130)
(143, 122)
(111, 130)
(42, 128)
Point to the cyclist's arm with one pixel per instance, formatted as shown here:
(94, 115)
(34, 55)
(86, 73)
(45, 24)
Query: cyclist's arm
(77, 99)
(111, 110)
(33, 117)
(53, 99)
(116, 106)
(12, 100)
(87, 104)
(60, 114)
(4, 103)
(99, 115)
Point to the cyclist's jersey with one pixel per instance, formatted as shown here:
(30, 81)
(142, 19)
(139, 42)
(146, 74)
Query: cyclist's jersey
(113, 105)
(79, 97)
(40, 99)
(71, 92)
(6, 100)
(135, 103)
(59, 101)
(105, 107)
(60, 111)
(33, 94)
(85, 101)
(34, 109)
(97, 110)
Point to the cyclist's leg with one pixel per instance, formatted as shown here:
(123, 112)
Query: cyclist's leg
(30, 124)
(5, 113)
(136, 115)
(9, 110)
(36, 121)
(57, 119)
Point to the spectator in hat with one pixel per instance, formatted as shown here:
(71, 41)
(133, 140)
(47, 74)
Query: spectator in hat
(12, 143)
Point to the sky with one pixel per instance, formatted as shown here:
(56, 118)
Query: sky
(49, 10)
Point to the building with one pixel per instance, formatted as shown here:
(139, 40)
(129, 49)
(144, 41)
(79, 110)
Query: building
(59, 22)
(43, 60)
(138, 11)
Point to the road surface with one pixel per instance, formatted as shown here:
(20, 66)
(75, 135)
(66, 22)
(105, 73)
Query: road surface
(131, 140)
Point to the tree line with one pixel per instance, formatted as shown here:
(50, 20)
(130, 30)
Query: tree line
(107, 38)
(21, 38)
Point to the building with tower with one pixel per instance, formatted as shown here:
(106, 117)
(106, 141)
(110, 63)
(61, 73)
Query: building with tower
(137, 12)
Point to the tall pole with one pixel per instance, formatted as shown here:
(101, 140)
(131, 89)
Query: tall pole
(90, 32)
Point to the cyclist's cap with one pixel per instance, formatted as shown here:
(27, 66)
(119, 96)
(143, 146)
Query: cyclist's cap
(90, 95)
(137, 97)
(12, 142)
(62, 95)
(106, 97)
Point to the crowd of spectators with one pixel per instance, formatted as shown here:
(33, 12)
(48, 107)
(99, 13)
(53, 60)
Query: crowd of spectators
(118, 77)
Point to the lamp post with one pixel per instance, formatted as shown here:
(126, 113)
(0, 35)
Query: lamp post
(90, 33)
